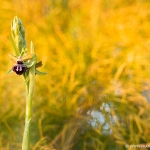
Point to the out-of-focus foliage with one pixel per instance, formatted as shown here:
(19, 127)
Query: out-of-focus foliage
(96, 95)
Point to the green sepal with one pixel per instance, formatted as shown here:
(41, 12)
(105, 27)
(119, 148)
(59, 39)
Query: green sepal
(14, 46)
(10, 71)
(25, 143)
(40, 73)
(30, 64)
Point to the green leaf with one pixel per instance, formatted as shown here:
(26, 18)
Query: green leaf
(40, 73)
(26, 80)
(25, 143)
(10, 71)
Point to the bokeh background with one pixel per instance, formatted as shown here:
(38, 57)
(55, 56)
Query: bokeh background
(96, 93)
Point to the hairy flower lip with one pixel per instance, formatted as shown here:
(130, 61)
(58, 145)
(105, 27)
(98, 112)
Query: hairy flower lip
(19, 68)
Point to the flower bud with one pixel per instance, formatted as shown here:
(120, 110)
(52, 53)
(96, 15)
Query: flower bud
(18, 35)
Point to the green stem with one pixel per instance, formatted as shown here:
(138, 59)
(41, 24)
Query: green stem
(28, 108)
(29, 90)
(29, 95)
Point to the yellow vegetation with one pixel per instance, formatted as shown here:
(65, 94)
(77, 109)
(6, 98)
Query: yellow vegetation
(97, 55)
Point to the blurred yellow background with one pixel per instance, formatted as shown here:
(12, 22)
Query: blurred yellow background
(96, 93)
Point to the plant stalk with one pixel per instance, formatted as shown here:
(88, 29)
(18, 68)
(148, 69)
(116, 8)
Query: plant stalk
(29, 94)
(20, 49)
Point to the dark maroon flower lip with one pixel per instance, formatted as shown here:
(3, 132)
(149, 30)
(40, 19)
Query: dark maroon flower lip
(19, 68)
